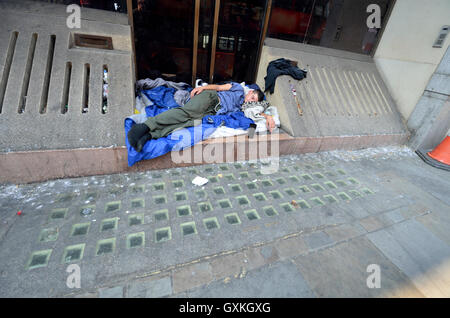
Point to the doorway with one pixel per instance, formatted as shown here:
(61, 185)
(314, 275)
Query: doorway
(185, 40)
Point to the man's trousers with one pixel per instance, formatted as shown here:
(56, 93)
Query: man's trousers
(201, 105)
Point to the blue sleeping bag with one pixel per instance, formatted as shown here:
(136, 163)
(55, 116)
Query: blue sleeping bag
(162, 98)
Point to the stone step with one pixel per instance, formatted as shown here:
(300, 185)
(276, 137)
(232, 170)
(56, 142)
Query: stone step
(343, 93)
(36, 166)
(47, 80)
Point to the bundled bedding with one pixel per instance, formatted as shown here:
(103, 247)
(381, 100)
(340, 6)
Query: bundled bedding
(157, 96)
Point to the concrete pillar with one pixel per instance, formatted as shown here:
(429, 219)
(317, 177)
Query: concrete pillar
(429, 123)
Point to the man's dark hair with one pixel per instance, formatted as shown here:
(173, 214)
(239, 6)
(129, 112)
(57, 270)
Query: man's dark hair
(260, 95)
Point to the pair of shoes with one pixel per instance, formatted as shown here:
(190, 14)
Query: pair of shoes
(138, 135)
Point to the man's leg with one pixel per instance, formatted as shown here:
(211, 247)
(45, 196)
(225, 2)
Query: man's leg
(179, 117)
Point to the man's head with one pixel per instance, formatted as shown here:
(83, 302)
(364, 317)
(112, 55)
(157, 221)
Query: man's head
(254, 95)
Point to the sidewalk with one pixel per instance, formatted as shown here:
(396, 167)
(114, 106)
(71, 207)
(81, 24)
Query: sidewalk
(309, 230)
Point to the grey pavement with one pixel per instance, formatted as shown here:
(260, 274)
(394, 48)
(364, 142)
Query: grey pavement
(316, 228)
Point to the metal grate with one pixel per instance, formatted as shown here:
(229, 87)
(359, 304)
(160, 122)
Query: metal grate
(93, 41)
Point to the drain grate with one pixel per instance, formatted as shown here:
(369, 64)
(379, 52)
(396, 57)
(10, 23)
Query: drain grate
(47, 75)
(205, 206)
(244, 174)
(58, 214)
(27, 74)
(344, 196)
(137, 203)
(290, 191)
(136, 219)
(303, 204)
(158, 187)
(260, 196)
(113, 206)
(7, 66)
(66, 89)
(225, 204)
(136, 240)
(109, 224)
(276, 195)
(305, 189)
(39, 259)
(330, 185)
(73, 253)
(232, 218)
(330, 198)
(235, 187)
(317, 201)
(160, 199)
(106, 246)
(252, 215)
(93, 41)
(287, 207)
(137, 189)
(211, 223)
(80, 229)
(181, 196)
(163, 234)
(367, 191)
(219, 190)
(188, 228)
(243, 200)
(48, 235)
(178, 184)
(270, 211)
(162, 215)
(184, 210)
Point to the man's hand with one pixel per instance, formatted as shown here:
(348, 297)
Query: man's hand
(270, 123)
(197, 90)
(219, 88)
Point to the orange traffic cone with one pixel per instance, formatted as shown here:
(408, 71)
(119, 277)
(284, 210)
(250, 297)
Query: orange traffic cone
(439, 157)
(442, 152)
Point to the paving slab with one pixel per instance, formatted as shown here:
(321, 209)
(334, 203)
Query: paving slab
(317, 240)
(422, 256)
(114, 292)
(282, 280)
(345, 231)
(150, 289)
(341, 271)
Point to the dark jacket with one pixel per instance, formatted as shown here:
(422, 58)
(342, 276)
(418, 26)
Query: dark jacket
(281, 67)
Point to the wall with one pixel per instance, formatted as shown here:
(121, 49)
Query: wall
(405, 55)
(429, 123)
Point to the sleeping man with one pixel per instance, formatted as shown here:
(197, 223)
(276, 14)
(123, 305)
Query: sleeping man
(205, 100)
